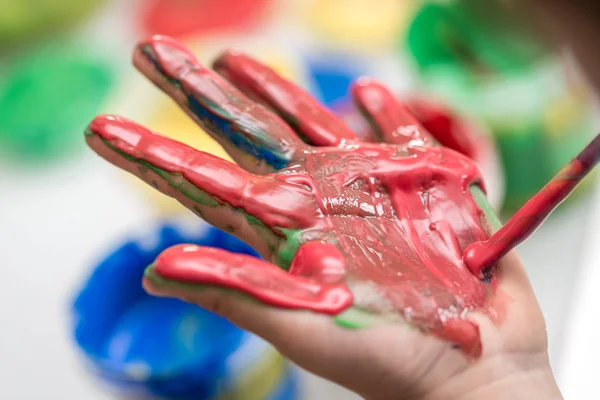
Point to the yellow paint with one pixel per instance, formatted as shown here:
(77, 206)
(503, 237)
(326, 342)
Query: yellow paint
(261, 380)
(361, 24)
(562, 113)
(283, 65)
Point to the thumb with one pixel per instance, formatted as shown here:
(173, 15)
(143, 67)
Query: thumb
(240, 288)
(269, 323)
(314, 341)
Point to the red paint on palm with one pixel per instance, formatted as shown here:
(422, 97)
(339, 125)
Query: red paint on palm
(402, 221)
(319, 261)
(463, 334)
(400, 216)
(386, 221)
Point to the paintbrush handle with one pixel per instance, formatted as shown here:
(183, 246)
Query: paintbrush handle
(481, 256)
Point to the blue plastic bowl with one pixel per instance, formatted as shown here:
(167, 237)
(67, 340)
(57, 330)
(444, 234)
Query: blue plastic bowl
(165, 347)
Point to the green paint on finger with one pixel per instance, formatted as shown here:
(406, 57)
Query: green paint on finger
(178, 288)
(355, 318)
(179, 182)
(288, 251)
(175, 180)
(481, 201)
(252, 220)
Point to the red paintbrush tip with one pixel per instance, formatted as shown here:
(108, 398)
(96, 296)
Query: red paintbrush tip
(481, 256)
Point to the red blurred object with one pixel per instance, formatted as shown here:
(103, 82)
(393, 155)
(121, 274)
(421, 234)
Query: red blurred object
(179, 18)
(450, 128)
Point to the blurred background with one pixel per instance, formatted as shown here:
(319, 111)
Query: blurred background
(76, 233)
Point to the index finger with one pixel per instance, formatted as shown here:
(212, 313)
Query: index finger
(252, 207)
(388, 117)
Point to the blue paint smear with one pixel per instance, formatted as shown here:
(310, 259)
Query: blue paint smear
(241, 141)
(222, 125)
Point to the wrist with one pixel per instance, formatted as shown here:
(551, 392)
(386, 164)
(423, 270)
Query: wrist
(515, 377)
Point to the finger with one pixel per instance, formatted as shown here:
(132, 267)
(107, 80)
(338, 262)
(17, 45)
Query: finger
(389, 118)
(314, 342)
(248, 131)
(299, 109)
(218, 191)
(311, 340)
(205, 266)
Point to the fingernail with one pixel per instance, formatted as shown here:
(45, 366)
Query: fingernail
(110, 127)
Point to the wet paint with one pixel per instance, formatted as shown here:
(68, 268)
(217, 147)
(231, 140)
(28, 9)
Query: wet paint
(408, 249)
(374, 227)
(166, 117)
(219, 107)
(261, 280)
(299, 109)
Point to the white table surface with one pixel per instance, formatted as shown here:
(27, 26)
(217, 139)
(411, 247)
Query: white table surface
(581, 354)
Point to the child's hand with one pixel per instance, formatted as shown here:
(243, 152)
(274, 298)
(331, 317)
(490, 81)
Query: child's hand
(371, 233)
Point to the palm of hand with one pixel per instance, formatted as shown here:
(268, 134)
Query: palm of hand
(400, 214)
(376, 228)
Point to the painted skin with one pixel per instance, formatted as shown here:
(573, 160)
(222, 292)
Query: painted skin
(358, 228)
